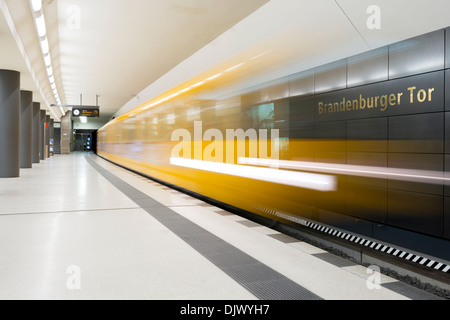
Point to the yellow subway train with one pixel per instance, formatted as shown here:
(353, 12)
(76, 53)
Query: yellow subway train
(366, 156)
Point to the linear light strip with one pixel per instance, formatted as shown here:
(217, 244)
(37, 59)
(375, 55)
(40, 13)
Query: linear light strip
(39, 21)
(198, 84)
(355, 170)
(297, 179)
(15, 34)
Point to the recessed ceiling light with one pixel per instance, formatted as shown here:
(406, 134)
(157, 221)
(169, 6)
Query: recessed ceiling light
(40, 25)
(45, 47)
(36, 5)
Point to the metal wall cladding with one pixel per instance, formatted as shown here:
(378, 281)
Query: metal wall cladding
(447, 47)
(367, 135)
(425, 162)
(417, 241)
(332, 76)
(447, 132)
(301, 109)
(417, 142)
(301, 117)
(447, 90)
(358, 116)
(302, 83)
(368, 67)
(420, 133)
(330, 142)
(359, 195)
(346, 223)
(415, 211)
(447, 175)
(447, 217)
(420, 54)
(277, 90)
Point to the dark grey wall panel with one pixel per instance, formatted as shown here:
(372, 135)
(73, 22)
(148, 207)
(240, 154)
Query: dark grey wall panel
(367, 201)
(330, 77)
(345, 222)
(302, 83)
(368, 159)
(447, 217)
(447, 176)
(415, 211)
(376, 159)
(368, 67)
(422, 133)
(417, 161)
(302, 131)
(421, 54)
(416, 241)
(447, 90)
(388, 110)
(335, 130)
(332, 144)
(367, 135)
(447, 132)
(301, 110)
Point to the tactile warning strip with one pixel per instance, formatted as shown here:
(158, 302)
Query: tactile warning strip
(259, 279)
(380, 247)
(436, 265)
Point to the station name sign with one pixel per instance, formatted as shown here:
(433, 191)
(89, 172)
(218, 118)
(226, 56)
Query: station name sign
(422, 93)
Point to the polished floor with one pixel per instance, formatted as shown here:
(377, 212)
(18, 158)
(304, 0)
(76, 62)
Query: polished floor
(78, 227)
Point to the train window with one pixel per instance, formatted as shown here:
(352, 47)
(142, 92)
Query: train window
(171, 118)
(193, 113)
(262, 116)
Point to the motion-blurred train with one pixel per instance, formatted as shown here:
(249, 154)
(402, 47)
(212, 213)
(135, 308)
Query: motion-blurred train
(360, 144)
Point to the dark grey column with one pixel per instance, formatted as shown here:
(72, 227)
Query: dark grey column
(26, 129)
(51, 130)
(42, 138)
(47, 136)
(66, 133)
(36, 132)
(9, 124)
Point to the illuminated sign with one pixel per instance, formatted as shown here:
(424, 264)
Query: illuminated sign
(90, 113)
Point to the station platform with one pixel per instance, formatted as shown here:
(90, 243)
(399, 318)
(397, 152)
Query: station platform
(76, 227)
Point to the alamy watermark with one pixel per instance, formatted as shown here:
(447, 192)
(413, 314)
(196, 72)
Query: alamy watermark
(73, 282)
(234, 143)
(374, 280)
(374, 20)
(74, 17)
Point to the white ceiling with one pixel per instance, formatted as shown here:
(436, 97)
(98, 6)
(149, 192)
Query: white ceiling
(116, 48)
(11, 58)
(129, 51)
(291, 36)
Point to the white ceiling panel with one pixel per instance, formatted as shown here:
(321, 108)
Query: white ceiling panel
(129, 51)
